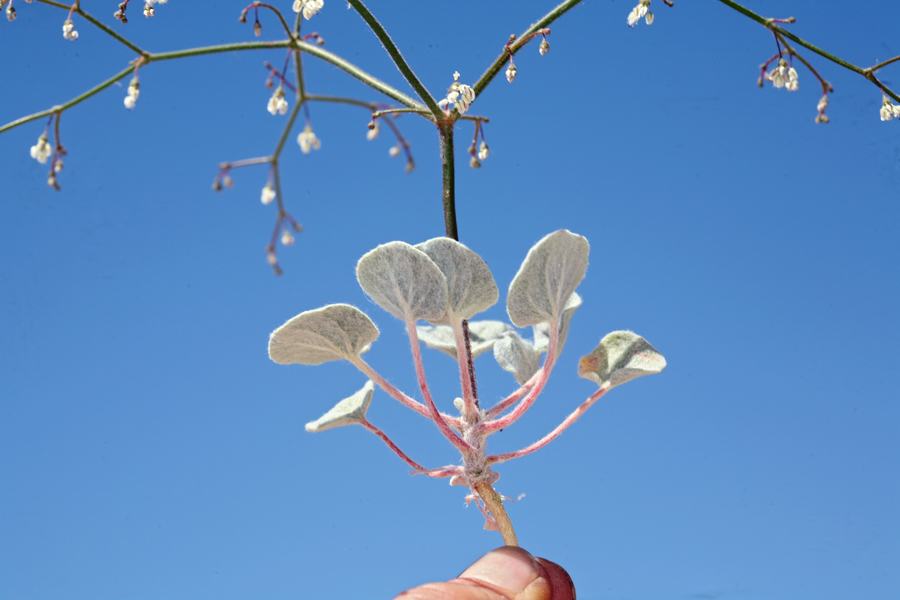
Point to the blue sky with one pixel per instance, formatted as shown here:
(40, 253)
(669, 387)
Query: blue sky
(149, 448)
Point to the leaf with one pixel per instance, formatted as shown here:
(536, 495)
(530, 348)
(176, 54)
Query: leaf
(547, 278)
(518, 357)
(403, 281)
(482, 336)
(542, 330)
(346, 412)
(470, 286)
(620, 357)
(334, 332)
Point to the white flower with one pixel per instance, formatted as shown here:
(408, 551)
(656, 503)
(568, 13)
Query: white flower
(823, 103)
(510, 72)
(134, 90)
(779, 74)
(459, 94)
(42, 150)
(483, 151)
(268, 194)
(286, 238)
(148, 10)
(277, 103)
(544, 47)
(10, 13)
(473, 162)
(641, 10)
(466, 96)
(58, 165)
(372, 133)
(887, 113)
(896, 109)
(791, 83)
(394, 151)
(308, 7)
(69, 30)
(308, 140)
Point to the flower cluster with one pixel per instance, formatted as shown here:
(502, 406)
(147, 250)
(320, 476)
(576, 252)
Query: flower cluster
(41, 151)
(277, 103)
(134, 90)
(889, 110)
(783, 76)
(639, 11)
(308, 140)
(821, 106)
(69, 30)
(309, 8)
(459, 94)
(268, 194)
(445, 284)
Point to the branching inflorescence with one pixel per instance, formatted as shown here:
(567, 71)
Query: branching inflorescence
(445, 284)
(443, 113)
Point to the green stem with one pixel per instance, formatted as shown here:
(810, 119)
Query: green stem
(358, 73)
(882, 64)
(445, 129)
(501, 60)
(398, 59)
(70, 103)
(769, 24)
(97, 23)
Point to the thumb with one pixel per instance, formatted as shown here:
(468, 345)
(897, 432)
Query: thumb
(517, 575)
(507, 573)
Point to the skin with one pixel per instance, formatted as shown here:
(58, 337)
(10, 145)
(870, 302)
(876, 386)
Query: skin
(507, 573)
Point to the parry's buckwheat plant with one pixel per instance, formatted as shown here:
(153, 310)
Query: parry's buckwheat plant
(440, 282)
(445, 284)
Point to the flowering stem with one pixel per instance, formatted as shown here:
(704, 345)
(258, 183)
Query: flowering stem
(769, 23)
(882, 64)
(494, 503)
(445, 131)
(499, 458)
(826, 87)
(98, 24)
(61, 107)
(398, 59)
(501, 60)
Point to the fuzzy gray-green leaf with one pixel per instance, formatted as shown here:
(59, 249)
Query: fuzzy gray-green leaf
(482, 336)
(346, 412)
(542, 330)
(470, 286)
(334, 332)
(518, 357)
(404, 281)
(620, 357)
(550, 273)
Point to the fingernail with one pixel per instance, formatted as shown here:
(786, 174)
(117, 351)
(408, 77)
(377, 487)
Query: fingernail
(510, 568)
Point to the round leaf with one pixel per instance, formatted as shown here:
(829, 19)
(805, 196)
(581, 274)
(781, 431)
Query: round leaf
(620, 357)
(404, 282)
(346, 412)
(334, 332)
(470, 286)
(550, 273)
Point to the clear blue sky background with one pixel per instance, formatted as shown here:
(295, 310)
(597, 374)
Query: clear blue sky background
(150, 449)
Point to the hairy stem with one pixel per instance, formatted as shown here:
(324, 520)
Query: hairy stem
(448, 198)
(398, 59)
(501, 60)
(494, 503)
(499, 458)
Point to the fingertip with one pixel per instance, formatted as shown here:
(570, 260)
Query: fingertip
(560, 581)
